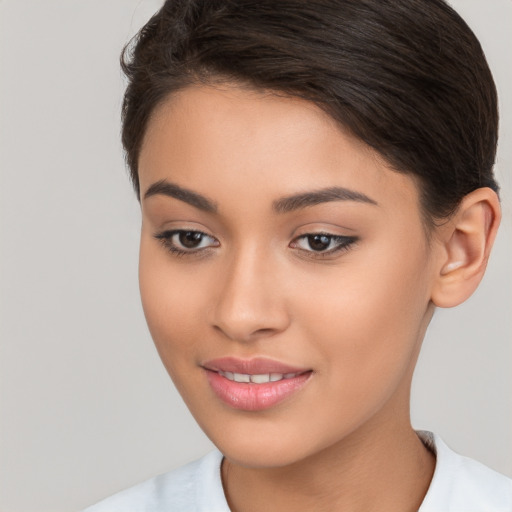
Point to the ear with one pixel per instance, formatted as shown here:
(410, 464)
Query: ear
(465, 245)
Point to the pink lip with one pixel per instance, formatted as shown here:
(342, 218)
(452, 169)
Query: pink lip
(250, 396)
(257, 365)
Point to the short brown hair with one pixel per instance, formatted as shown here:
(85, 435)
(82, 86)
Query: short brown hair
(408, 77)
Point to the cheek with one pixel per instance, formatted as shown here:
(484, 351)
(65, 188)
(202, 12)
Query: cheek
(172, 301)
(367, 324)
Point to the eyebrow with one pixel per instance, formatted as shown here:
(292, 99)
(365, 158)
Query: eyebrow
(299, 201)
(166, 188)
(283, 205)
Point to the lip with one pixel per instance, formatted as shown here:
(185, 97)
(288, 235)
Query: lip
(250, 396)
(253, 366)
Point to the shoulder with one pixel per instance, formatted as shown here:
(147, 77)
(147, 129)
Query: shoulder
(461, 484)
(194, 487)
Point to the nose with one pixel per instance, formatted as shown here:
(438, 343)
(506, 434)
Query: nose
(250, 305)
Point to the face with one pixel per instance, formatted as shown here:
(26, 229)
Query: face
(284, 271)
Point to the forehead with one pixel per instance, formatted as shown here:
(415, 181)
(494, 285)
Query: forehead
(227, 140)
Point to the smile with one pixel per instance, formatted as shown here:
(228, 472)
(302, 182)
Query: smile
(256, 384)
(261, 378)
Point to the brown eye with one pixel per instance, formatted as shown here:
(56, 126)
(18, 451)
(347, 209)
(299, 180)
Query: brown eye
(190, 239)
(323, 243)
(183, 242)
(319, 242)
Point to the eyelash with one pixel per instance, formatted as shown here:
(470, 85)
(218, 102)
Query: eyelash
(343, 243)
(166, 238)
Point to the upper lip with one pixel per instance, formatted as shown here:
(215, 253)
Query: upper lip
(254, 366)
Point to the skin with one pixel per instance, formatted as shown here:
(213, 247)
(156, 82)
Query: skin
(254, 287)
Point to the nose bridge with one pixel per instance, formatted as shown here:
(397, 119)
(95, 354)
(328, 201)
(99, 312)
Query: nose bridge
(249, 303)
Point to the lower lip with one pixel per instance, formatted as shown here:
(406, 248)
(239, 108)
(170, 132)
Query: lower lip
(255, 397)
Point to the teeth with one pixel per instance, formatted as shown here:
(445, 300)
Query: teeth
(258, 378)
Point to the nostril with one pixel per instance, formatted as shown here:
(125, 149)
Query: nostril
(239, 333)
(265, 332)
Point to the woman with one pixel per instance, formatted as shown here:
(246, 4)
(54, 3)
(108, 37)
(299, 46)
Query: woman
(315, 179)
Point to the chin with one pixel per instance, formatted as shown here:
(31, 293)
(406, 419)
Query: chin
(261, 455)
(263, 442)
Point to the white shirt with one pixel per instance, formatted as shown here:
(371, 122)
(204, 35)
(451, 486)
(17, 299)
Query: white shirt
(459, 484)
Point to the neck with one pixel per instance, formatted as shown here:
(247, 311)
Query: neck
(382, 466)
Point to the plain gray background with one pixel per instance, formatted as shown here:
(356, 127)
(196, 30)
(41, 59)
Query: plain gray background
(86, 407)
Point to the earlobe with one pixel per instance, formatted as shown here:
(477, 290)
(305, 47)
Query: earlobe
(466, 242)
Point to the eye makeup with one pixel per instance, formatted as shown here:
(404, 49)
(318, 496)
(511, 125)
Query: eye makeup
(186, 242)
(323, 244)
(183, 242)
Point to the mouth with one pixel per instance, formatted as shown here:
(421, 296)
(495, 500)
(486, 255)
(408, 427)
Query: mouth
(256, 384)
(260, 378)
